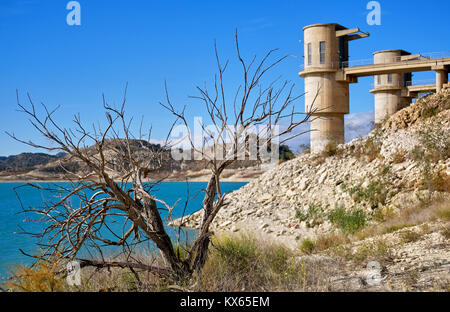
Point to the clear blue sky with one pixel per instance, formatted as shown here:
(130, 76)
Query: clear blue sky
(146, 42)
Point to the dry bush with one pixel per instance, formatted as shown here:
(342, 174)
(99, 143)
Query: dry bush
(399, 156)
(370, 150)
(409, 236)
(434, 144)
(433, 180)
(42, 277)
(446, 232)
(325, 242)
(330, 149)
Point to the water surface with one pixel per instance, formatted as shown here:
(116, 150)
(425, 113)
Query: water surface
(11, 218)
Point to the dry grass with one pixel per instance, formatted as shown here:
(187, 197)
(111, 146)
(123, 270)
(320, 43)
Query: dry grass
(330, 149)
(446, 232)
(369, 150)
(235, 263)
(443, 211)
(434, 180)
(45, 277)
(325, 242)
(410, 236)
(399, 156)
(243, 263)
(427, 210)
(377, 250)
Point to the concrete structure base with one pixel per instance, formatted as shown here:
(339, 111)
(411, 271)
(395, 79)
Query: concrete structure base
(326, 129)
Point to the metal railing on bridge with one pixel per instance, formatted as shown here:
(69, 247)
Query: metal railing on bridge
(404, 84)
(370, 61)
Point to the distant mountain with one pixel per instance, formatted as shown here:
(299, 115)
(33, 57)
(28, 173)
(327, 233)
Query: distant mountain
(40, 166)
(26, 161)
(356, 125)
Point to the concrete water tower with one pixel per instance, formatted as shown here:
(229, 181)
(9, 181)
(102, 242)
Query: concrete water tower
(327, 94)
(388, 88)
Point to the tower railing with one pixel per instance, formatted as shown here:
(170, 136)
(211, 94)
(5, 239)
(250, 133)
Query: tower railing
(420, 82)
(318, 65)
(370, 61)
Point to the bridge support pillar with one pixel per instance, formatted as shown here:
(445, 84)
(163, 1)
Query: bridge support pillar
(441, 79)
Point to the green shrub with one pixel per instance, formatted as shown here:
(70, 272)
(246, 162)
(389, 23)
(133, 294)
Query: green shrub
(313, 216)
(377, 251)
(375, 193)
(238, 252)
(307, 246)
(348, 222)
(301, 215)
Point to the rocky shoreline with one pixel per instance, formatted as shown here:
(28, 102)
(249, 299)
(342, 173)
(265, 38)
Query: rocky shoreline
(230, 175)
(270, 202)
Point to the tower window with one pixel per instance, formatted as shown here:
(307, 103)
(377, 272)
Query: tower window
(390, 78)
(379, 79)
(309, 54)
(322, 52)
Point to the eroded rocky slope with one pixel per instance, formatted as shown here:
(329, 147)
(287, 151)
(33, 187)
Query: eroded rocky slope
(397, 172)
(383, 170)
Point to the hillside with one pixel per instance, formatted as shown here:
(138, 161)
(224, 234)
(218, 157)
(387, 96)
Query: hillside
(395, 181)
(26, 161)
(44, 167)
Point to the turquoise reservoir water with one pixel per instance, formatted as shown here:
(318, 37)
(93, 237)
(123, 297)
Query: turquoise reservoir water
(11, 218)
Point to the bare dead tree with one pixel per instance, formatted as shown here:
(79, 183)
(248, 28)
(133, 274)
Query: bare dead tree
(112, 187)
(254, 103)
